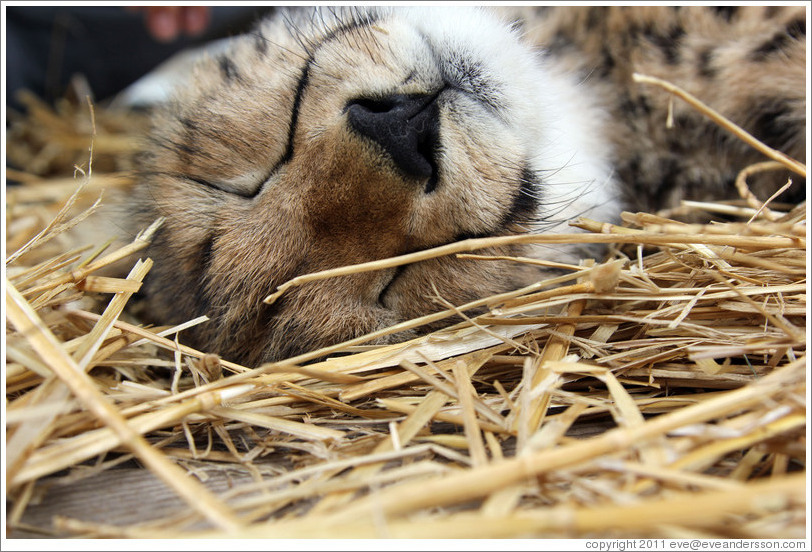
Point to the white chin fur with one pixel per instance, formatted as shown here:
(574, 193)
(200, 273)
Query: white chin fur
(555, 117)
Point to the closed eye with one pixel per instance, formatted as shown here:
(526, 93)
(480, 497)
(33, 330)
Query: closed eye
(463, 73)
(246, 185)
(202, 166)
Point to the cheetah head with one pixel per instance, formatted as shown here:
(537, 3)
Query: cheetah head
(333, 137)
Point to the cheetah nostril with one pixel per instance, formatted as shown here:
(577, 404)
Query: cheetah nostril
(407, 127)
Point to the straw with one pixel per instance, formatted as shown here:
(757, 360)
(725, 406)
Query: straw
(660, 391)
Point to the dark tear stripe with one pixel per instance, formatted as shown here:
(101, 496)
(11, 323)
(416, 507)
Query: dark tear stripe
(304, 79)
(230, 72)
(525, 202)
(522, 211)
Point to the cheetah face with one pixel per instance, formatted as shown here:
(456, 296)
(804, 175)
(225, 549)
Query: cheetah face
(328, 138)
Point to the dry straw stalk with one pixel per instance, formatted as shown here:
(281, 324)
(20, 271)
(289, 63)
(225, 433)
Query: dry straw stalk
(660, 392)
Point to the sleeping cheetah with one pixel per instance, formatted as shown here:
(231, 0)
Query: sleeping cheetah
(329, 137)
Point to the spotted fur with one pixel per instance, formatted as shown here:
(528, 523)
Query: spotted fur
(748, 63)
(263, 173)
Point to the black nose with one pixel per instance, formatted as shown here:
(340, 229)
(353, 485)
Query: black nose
(407, 127)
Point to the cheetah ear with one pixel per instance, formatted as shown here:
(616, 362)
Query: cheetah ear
(157, 86)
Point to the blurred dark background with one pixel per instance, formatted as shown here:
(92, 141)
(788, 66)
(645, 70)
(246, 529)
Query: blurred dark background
(45, 46)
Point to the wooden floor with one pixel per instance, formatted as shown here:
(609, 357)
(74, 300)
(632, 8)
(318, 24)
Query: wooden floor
(122, 496)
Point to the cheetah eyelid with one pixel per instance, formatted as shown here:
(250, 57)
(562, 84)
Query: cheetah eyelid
(249, 184)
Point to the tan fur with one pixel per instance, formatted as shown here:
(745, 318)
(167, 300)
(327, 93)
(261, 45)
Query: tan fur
(339, 199)
(712, 53)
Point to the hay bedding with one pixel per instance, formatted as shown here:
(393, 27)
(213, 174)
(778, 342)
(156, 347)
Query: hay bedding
(659, 393)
